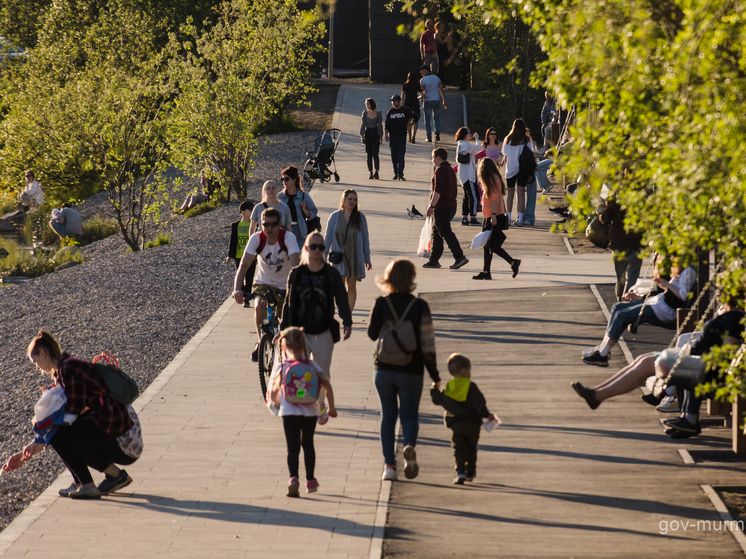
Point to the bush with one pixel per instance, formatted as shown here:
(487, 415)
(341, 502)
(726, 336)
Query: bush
(203, 208)
(162, 239)
(7, 204)
(23, 263)
(98, 228)
(37, 230)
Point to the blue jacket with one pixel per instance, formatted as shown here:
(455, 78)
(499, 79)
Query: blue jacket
(363, 243)
(300, 229)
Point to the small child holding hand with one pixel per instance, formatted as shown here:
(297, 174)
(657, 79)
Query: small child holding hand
(465, 408)
(298, 420)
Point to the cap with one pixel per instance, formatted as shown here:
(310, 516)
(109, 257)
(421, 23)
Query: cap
(425, 67)
(395, 98)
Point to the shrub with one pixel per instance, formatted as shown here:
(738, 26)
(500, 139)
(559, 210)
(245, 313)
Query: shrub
(203, 208)
(7, 204)
(37, 230)
(161, 239)
(98, 228)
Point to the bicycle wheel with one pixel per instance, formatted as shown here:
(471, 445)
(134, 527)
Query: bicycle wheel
(266, 360)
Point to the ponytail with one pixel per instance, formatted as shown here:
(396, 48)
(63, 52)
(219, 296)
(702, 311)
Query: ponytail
(45, 341)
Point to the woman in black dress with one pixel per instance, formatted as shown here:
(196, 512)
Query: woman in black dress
(410, 95)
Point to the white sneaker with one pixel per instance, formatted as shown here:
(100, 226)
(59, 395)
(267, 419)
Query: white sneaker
(518, 223)
(591, 351)
(389, 474)
(669, 405)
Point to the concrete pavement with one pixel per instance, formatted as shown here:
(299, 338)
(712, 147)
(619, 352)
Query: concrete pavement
(555, 480)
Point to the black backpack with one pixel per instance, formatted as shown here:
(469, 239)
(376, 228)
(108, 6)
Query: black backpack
(526, 163)
(121, 387)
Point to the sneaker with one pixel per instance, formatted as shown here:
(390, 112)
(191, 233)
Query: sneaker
(255, 354)
(681, 424)
(401, 178)
(312, 485)
(396, 178)
(518, 223)
(371, 175)
(589, 352)
(389, 474)
(375, 175)
(437, 137)
(413, 141)
(429, 140)
(459, 479)
(676, 434)
(66, 492)
(652, 399)
(669, 405)
(411, 469)
(460, 263)
(85, 492)
(111, 484)
(470, 477)
(597, 359)
(429, 264)
(293, 486)
(482, 276)
(246, 303)
(464, 221)
(588, 394)
(474, 221)
(515, 266)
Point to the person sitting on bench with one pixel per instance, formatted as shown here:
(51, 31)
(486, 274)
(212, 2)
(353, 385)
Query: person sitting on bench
(660, 308)
(725, 328)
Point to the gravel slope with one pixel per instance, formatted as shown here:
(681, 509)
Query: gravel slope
(141, 307)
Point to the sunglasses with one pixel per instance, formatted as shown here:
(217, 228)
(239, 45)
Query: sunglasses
(317, 246)
(273, 224)
(286, 179)
(493, 133)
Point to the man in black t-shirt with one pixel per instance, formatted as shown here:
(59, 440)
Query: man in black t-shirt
(397, 120)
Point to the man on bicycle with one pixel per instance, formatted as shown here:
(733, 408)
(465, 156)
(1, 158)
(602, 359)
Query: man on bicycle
(276, 252)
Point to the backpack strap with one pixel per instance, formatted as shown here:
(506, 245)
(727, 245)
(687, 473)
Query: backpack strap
(391, 308)
(409, 306)
(263, 242)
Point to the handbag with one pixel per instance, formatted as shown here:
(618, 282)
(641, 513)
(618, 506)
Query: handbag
(463, 158)
(336, 257)
(598, 233)
(312, 223)
(334, 330)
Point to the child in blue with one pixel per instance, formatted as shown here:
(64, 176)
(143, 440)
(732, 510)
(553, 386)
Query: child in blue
(465, 408)
(298, 420)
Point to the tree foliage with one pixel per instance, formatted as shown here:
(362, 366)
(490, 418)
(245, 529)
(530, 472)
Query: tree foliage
(234, 77)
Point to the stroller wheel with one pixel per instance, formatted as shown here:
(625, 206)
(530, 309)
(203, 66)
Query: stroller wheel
(336, 177)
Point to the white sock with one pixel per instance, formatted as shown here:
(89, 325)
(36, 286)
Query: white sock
(520, 216)
(509, 217)
(604, 349)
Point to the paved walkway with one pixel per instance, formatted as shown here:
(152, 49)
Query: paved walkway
(555, 480)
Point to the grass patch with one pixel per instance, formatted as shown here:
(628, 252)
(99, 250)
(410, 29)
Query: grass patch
(7, 204)
(278, 125)
(98, 228)
(21, 262)
(160, 240)
(203, 208)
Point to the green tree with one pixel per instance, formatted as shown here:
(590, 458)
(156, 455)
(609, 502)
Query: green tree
(234, 77)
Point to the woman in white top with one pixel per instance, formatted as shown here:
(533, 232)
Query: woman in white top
(467, 172)
(270, 200)
(512, 147)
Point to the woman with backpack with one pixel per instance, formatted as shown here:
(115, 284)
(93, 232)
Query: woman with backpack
(347, 243)
(302, 208)
(403, 328)
(313, 287)
(513, 145)
(270, 199)
(88, 427)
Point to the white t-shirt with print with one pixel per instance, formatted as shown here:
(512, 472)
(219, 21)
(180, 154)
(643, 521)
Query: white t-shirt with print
(272, 265)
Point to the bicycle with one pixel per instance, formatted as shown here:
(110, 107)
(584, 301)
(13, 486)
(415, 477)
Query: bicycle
(270, 329)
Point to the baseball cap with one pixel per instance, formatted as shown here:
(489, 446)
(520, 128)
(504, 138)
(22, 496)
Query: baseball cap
(395, 98)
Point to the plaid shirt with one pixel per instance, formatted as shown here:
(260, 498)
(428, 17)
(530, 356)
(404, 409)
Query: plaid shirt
(87, 396)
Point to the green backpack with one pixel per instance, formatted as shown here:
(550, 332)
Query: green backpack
(121, 387)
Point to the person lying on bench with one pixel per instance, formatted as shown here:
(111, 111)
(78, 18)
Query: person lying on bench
(725, 328)
(659, 308)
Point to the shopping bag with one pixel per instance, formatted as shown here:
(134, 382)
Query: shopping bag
(426, 239)
(481, 239)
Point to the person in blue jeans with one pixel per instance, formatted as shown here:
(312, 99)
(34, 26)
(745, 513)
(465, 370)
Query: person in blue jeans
(400, 386)
(432, 96)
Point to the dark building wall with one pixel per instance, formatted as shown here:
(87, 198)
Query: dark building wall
(351, 34)
(392, 56)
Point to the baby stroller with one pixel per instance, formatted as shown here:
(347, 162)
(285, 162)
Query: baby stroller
(320, 161)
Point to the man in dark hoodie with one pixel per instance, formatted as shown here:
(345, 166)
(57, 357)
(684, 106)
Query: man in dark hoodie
(465, 408)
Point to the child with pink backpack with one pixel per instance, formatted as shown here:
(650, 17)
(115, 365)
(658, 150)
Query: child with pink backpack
(295, 390)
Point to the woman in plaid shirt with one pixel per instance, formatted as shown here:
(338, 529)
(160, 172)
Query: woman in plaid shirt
(99, 418)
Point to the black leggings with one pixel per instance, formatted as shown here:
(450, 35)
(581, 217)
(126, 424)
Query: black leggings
(70, 442)
(469, 205)
(495, 244)
(299, 430)
(372, 146)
